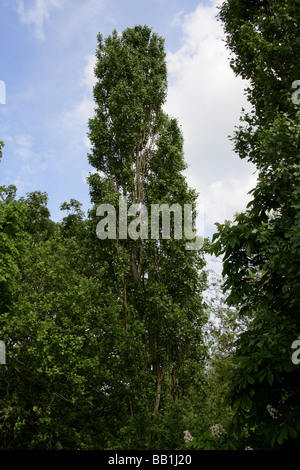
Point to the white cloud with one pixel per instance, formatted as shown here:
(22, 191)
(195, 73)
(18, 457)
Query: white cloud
(207, 99)
(29, 164)
(77, 118)
(177, 18)
(79, 115)
(36, 14)
(23, 149)
(89, 79)
(23, 140)
(223, 198)
(24, 153)
(31, 160)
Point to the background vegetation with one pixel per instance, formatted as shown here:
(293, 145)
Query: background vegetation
(128, 343)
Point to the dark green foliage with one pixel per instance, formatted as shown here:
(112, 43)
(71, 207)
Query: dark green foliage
(261, 256)
(137, 151)
(103, 338)
(53, 316)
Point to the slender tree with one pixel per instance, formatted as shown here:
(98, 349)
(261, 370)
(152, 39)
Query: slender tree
(137, 152)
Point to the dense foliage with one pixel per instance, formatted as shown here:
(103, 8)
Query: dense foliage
(104, 337)
(112, 339)
(260, 248)
(137, 153)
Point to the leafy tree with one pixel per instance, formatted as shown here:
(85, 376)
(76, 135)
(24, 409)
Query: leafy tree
(17, 218)
(73, 225)
(210, 408)
(38, 222)
(137, 151)
(260, 248)
(59, 328)
(12, 216)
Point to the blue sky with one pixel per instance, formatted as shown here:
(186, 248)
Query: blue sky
(47, 52)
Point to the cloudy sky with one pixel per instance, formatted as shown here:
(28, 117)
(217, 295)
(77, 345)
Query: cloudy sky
(47, 52)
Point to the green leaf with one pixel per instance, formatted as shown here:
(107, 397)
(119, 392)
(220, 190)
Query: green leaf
(292, 432)
(283, 435)
(270, 377)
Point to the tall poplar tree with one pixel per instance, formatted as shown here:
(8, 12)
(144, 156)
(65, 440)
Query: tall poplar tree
(137, 152)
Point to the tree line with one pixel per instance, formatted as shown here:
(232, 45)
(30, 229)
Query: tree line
(112, 343)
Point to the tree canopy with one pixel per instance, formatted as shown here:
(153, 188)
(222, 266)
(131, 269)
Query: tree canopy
(104, 337)
(260, 248)
(113, 340)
